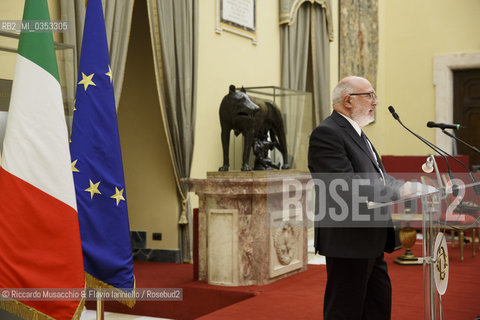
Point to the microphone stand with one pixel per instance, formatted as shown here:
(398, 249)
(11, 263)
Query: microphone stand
(476, 188)
(428, 143)
(439, 151)
(458, 139)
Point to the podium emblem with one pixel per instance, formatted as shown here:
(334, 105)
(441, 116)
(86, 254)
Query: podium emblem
(441, 264)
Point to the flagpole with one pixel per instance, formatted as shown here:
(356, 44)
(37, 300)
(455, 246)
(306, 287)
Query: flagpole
(100, 306)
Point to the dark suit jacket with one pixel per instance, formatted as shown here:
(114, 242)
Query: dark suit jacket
(336, 151)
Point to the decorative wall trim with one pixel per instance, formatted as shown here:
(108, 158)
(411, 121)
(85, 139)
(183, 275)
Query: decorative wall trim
(140, 252)
(138, 239)
(157, 255)
(443, 66)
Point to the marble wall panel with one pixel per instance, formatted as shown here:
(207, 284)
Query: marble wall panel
(358, 39)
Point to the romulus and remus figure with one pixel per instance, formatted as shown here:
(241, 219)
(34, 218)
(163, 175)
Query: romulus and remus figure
(260, 121)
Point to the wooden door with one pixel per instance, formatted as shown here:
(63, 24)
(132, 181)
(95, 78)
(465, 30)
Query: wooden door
(466, 111)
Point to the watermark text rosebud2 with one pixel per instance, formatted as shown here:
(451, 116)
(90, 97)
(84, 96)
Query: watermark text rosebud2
(342, 200)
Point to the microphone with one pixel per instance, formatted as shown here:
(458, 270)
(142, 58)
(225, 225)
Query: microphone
(443, 126)
(439, 151)
(394, 114)
(428, 143)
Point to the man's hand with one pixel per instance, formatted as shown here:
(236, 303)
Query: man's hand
(410, 189)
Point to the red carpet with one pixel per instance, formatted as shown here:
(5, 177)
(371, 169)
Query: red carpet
(299, 296)
(198, 298)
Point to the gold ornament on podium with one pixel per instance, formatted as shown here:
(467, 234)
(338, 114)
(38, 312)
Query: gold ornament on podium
(440, 271)
(442, 263)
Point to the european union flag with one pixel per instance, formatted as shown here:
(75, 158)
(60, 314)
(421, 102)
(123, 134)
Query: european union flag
(97, 164)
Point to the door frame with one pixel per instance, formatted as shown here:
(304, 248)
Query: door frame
(443, 66)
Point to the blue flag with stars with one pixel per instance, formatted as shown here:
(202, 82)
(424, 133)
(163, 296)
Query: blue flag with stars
(97, 165)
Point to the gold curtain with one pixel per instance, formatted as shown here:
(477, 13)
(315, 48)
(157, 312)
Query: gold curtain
(174, 35)
(306, 31)
(289, 10)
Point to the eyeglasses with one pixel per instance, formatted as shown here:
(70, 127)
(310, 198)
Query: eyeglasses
(372, 95)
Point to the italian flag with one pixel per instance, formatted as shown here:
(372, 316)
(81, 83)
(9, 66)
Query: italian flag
(39, 233)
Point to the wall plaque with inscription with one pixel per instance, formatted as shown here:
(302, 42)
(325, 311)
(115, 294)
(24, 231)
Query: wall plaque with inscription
(237, 16)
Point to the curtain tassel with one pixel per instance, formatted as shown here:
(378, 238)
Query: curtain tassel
(183, 216)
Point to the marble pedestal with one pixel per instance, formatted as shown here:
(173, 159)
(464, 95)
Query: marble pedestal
(252, 227)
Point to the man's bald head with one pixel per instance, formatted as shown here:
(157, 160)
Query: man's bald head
(355, 98)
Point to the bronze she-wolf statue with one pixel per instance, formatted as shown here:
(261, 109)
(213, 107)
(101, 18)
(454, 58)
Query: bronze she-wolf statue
(260, 122)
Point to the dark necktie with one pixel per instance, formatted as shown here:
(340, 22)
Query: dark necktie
(369, 147)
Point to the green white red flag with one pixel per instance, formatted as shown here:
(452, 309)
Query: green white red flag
(39, 233)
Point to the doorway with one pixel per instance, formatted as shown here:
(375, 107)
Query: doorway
(466, 111)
